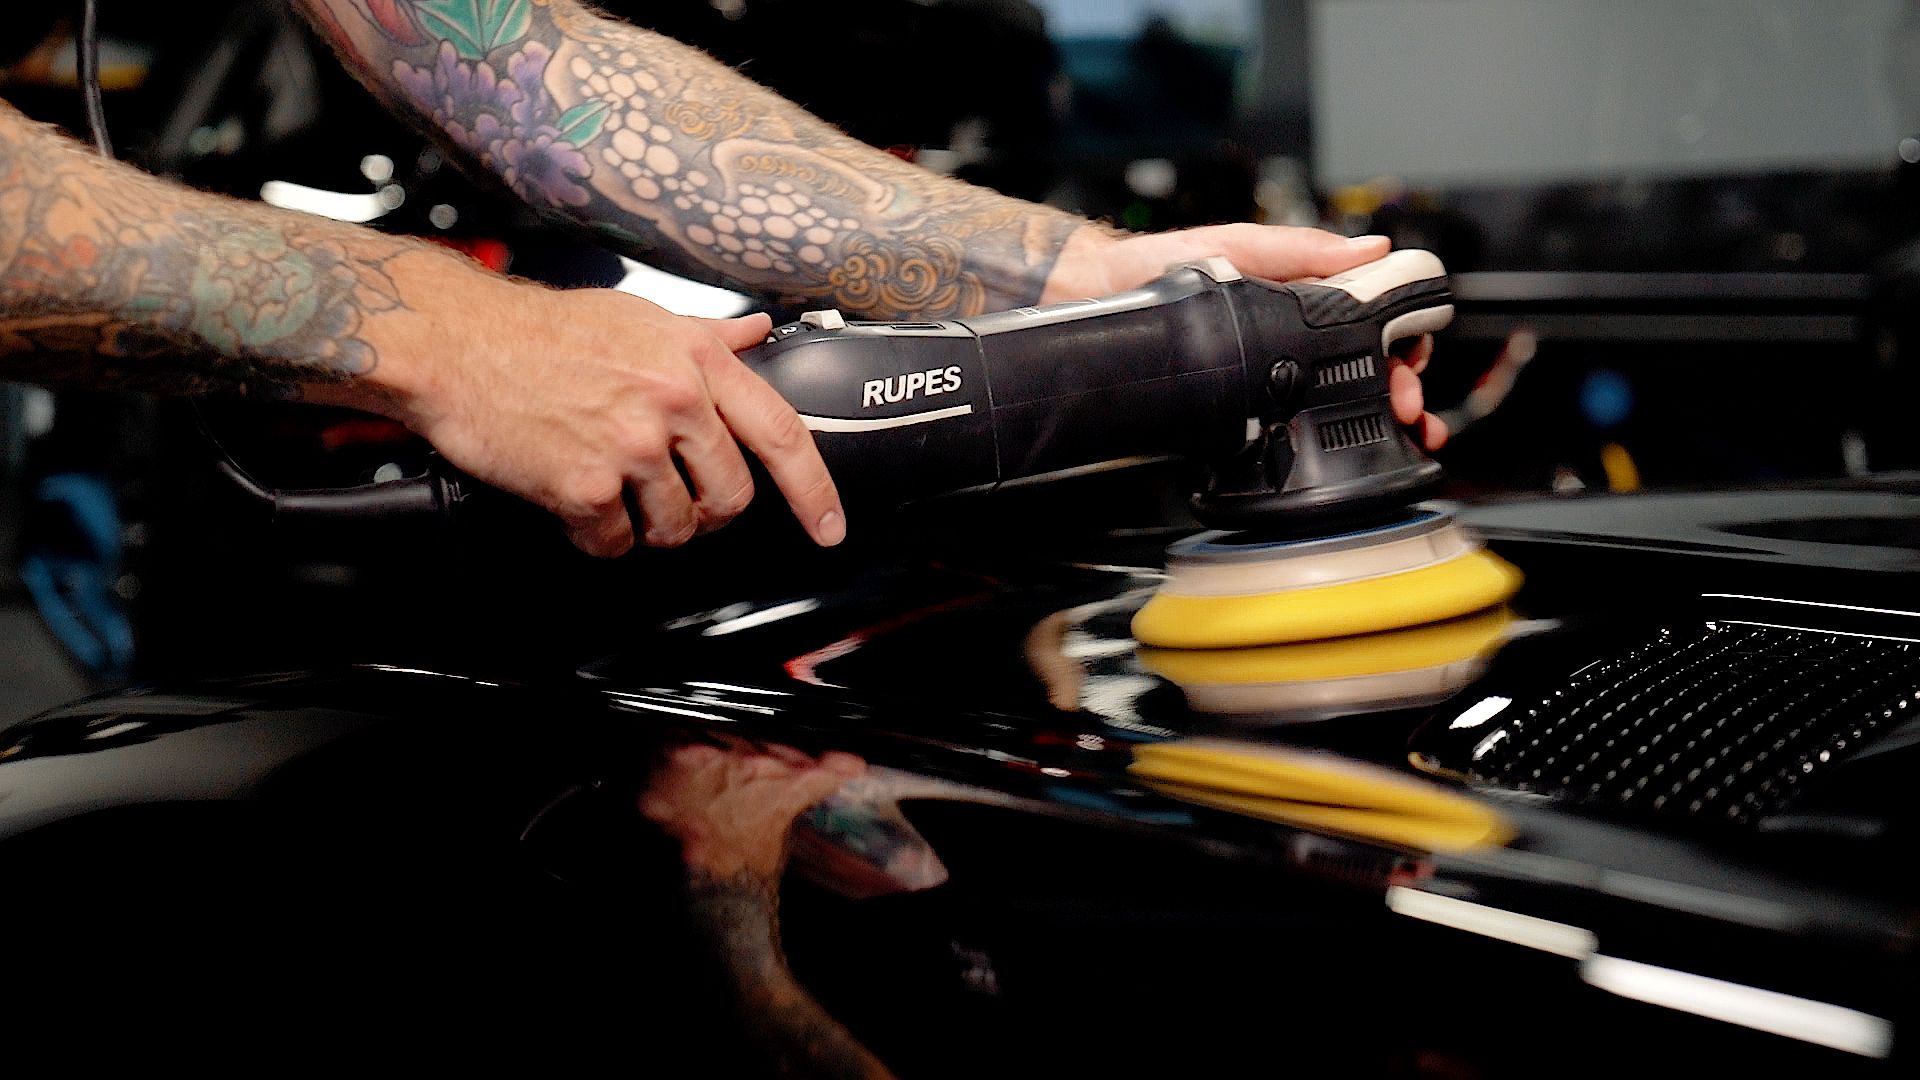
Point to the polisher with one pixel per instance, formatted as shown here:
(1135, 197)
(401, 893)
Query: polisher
(1281, 388)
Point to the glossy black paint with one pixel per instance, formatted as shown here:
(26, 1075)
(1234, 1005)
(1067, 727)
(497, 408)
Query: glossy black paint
(329, 858)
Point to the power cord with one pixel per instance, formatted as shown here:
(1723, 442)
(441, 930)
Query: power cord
(88, 50)
(89, 67)
(432, 495)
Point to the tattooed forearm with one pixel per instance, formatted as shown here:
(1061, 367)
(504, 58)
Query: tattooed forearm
(739, 915)
(676, 158)
(112, 278)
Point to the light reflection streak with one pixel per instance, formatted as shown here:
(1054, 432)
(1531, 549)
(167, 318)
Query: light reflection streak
(1485, 710)
(1560, 939)
(1816, 1022)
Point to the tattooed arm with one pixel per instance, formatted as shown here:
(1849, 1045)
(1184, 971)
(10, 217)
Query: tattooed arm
(731, 807)
(666, 153)
(739, 916)
(110, 277)
(675, 158)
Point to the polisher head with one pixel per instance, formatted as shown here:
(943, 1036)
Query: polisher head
(1237, 590)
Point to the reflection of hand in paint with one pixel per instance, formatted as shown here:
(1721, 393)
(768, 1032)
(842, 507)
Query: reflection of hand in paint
(731, 806)
(1046, 649)
(857, 843)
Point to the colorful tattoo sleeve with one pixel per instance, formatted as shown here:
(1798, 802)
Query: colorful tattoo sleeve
(114, 278)
(673, 157)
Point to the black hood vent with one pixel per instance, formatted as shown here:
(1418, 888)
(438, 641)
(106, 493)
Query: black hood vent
(1717, 721)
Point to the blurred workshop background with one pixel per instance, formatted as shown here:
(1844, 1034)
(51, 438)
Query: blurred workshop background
(1683, 234)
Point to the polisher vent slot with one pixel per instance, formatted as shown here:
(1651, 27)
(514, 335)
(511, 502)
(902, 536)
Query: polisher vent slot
(1335, 372)
(1725, 722)
(1351, 432)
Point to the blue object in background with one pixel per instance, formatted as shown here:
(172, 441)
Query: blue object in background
(73, 585)
(1606, 398)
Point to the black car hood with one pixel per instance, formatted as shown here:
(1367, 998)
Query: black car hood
(1002, 678)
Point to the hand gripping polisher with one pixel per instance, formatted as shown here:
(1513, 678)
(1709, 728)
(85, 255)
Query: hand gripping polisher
(1281, 388)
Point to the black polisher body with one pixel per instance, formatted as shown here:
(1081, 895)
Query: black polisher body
(1281, 388)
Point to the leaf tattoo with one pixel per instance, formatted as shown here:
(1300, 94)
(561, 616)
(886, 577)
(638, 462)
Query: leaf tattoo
(476, 27)
(581, 124)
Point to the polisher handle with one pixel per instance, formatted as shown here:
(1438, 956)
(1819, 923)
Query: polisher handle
(1281, 387)
(907, 410)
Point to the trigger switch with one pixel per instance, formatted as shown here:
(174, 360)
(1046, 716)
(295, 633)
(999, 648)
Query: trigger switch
(1283, 382)
(1279, 455)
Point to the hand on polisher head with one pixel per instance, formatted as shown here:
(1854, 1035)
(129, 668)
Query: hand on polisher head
(1096, 263)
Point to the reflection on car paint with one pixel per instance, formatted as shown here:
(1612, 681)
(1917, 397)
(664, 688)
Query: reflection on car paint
(1319, 791)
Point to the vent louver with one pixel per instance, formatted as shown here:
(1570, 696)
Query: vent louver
(1720, 721)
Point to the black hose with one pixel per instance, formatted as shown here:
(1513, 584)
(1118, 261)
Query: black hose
(88, 48)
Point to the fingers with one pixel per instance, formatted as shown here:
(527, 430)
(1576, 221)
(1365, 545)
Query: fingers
(791, 757)
(665, 507)
(1282, 253)
(1409, 402)
(743, 407)
(1414, 352)
(816, 780)
(837, 762)
(742, 333)
(762, 420)
(842, 764)
(595, 515)
(722, 483)
(607, 538)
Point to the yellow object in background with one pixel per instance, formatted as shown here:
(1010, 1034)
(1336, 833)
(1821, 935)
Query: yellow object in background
(54, 63)
(1622, 473)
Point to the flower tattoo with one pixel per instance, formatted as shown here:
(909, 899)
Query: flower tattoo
(251, 290)
(509, 123)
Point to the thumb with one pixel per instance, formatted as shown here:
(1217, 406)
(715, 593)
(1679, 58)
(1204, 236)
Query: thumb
(1323, 254)
(1344, 253)
(744, 332)
(1283, 253)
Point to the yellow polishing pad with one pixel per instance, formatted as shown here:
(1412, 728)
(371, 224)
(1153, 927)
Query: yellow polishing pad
(1317, 680)
(1359, 656)
(1465, 583)
(1318, 791)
